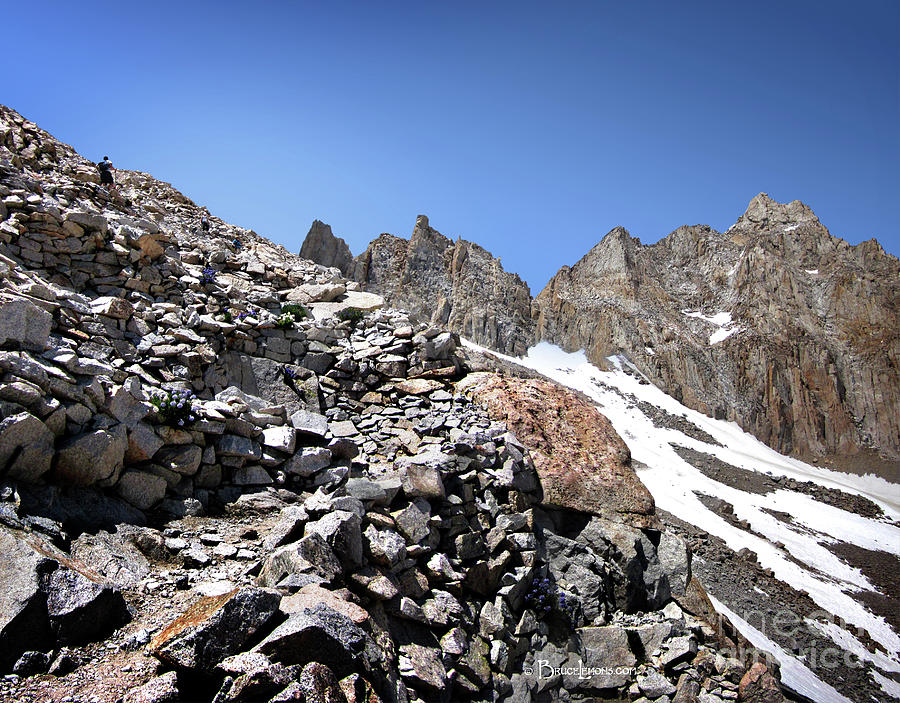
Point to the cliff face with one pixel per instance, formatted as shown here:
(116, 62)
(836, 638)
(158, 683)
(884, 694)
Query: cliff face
(775, 324)
(457, 285)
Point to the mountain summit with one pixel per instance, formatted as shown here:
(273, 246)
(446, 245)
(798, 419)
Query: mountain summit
(775, 324)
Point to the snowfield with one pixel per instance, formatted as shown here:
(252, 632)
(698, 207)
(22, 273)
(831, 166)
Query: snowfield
(800, 557)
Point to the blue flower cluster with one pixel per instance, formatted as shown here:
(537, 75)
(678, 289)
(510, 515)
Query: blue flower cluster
(290, 373)
(544, 597)
(208, 275)
(175, 407)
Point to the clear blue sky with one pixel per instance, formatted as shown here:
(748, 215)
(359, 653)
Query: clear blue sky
(530, 128)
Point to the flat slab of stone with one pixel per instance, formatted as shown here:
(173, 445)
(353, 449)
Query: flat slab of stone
(351, 299)
(344, 428)
(310, 423)
(418, 386)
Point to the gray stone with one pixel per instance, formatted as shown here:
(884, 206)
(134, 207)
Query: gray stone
(678, 649)
(143, 490)
(308, 461)
(651, 636)
(654, 685)
(345, 428)
(289, 527)
(233, 393)
(312, 554)
(310, 423)
(26, 447)
(318, 633)
(214, 628)
(412, 521)
(143, 443)
(607, 647)
(253, 475)
(23, 615)
(92, 458)
(422, 666)
(455, 642)
(117, 308)
(469, 545)
(365, 489)
(24, 325)
(184, 459)
(235, 445)
(342, 531)
(162, 689)
(90, 221)
(324, 248)
(385, 547)
(126, 408)
(82, 606)
(675, 559)
(283, 439)
(422, 480)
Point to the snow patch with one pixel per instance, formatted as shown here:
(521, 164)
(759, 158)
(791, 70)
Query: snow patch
(722, 333)
(889, 686)
(814, 272)
(791, 228)
(719, 319)
(649, 351)
(722, 320)
(794, 674)
(848, 642)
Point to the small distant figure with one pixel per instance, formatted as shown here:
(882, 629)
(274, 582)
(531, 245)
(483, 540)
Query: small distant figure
(106, 174)
(204, 222)
(236, 243)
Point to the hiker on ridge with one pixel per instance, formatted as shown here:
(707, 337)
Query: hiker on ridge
(106, 174)
(204, 222)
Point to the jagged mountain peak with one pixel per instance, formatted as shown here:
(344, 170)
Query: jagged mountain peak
(763, 210)
(458, 283)
(322, 245)
(775, 324)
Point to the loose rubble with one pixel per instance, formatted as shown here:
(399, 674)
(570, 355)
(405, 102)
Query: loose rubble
(203, 500)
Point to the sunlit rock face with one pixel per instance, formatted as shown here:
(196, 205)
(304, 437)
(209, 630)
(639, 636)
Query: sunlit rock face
(452, 284)
(775, 324)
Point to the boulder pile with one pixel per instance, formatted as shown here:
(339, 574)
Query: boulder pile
(229, 475)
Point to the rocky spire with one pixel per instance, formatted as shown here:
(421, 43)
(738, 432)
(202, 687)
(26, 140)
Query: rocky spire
(323, 247)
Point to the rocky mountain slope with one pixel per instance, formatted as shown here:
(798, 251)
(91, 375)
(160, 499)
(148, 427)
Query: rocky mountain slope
(775, 324)
(209, 493)
(458, 285)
